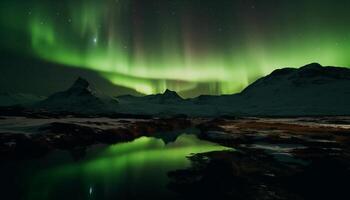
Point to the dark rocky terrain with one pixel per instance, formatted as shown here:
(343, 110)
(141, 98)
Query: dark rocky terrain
(75, 137)
(289, 131)
(274, 159)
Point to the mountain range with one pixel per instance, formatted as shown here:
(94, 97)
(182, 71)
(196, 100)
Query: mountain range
(11, 99)
(168, 97)
(310, 90)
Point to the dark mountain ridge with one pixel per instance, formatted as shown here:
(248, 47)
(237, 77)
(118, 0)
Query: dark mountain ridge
(80, 97)
(168, 97)
(310, 90)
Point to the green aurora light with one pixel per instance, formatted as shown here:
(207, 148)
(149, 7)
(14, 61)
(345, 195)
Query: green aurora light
(182, 45)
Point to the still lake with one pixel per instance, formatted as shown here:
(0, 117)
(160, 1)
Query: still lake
(131, 170)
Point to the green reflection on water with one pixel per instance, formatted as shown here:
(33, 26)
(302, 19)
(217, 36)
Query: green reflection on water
(127, 170)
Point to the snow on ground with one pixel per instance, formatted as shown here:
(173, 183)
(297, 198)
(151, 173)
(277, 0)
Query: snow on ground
(333, 122)
(32, 126)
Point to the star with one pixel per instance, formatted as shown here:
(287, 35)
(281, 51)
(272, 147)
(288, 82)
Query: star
(90, 190)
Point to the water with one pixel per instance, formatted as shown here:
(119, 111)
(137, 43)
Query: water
(133, 170)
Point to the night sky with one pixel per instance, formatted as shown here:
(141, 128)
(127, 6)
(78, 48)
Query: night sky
(145, 46)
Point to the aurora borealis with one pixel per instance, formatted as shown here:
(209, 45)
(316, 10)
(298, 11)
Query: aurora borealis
(191, 46)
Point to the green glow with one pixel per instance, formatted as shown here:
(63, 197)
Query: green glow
(223, 45)
(121, 165)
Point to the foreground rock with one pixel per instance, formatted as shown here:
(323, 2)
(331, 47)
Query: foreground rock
(275, 159)
(253, 174)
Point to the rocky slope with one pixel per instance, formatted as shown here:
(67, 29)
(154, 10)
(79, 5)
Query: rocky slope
(80, 97)
(309, 90)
